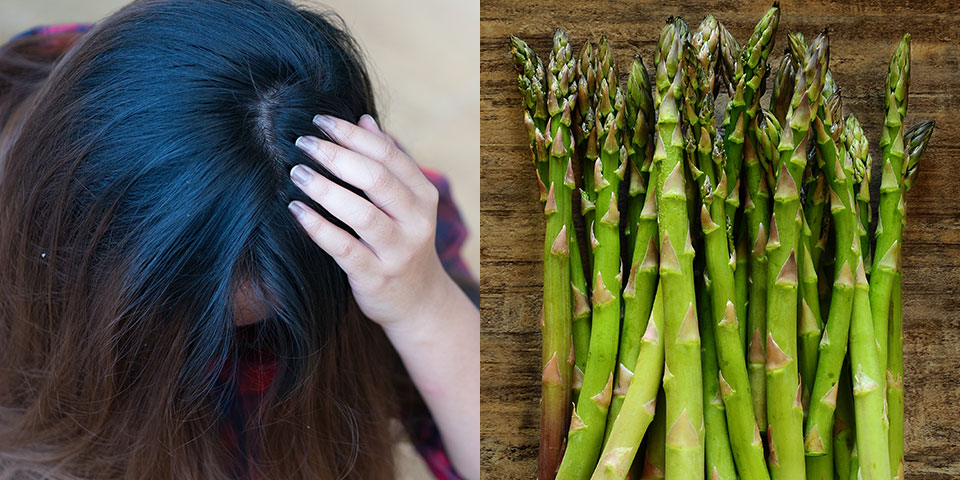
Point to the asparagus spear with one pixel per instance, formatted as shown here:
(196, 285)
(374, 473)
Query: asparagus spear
(639, 405)
(729, 59)
(717, 452)
(557, 145)
(839, 171)
(843, 438)
(531, 81)
(783, 87)
(586, 131)
(757, 210)
(654, 462)
(741, 278)
(749, 73)
(859, 151)
(682, 384)
(889, 234)
(868, 395)
(589, 419)
(784, 410)
(639, 290)
(723, 327)
(916, 140)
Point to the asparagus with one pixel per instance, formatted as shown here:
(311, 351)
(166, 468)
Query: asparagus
(557, 145)
(585, 135)
(585, 121)
(843, 438)
(757, 211)
(810, 321)
(839, 170)
(749, 73)
(639, 290)
(741, 286)
(729, 58)
(682, 383)
(639, 404)
(654, 462)
(723, 327)
(916, 140)
(783, 87)
(890, 221)
(859, 151)
(784, 410)
(640, 122)
(868, 394)
(589, 419)
(717, 452)
(895, 379)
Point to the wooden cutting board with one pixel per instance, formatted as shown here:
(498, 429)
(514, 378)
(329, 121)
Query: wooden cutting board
(863, 36)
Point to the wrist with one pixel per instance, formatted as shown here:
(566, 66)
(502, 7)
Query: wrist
(440, 307)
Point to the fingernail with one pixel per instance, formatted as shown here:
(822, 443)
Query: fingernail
(308, 144)
(296, 209)
(374, 121)
(324, 122)
(301, 175)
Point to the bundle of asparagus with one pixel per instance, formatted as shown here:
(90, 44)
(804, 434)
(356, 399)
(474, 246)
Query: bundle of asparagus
(756, 334)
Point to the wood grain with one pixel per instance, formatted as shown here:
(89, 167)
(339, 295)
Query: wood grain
(863, 36)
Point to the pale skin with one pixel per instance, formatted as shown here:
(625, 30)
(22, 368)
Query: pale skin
(394, 271)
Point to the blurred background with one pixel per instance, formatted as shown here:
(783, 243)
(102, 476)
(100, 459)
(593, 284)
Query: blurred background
(425, 63)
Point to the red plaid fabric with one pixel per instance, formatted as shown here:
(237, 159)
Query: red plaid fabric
(256, 369)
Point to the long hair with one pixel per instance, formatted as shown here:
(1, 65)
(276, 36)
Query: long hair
(144, 185)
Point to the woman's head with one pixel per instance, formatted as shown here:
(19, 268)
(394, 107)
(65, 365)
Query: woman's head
(143, 212)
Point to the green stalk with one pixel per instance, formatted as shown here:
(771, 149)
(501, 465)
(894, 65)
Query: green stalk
(784, 408)
(557, 145)
(734, 383)
(589, 420)
(810, 324)
(757, 214)
(868, 394)
(749, 73)
(640, 123)
(843, 427)
(859, 151)
(916, 140)
(722, 344)
(638, 293)
(889, 236)
(839, 171)
(717, 452)
(682, 383)
(820, 468)
(585, 121)
(639, 405)
(895, 379)
(740, 282)
(654, 463)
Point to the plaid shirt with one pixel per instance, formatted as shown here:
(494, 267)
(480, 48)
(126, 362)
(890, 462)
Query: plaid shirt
(256, 369)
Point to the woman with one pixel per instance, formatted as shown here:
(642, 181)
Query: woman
(176, 299)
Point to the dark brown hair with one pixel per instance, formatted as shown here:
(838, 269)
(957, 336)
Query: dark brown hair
(144, 183)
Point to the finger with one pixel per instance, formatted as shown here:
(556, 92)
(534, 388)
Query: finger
(351, 254)
(374, 146)
(385, 190)
(368, 123)
(372, 224)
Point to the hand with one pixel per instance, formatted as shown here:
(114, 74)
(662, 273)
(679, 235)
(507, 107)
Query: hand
(393, 268)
